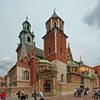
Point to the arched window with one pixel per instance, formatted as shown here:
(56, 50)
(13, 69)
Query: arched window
(55, 24)
(25, 75)
(27, 27)
(28, 39)
(62, 77)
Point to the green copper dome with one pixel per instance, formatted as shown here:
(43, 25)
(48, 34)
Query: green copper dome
(71, 63)
(44, 61)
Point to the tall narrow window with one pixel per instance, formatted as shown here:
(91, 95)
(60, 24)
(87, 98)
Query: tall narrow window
(55, 24)
(27, 27)
(62, 77)
(61, 50)
(25, 75)
(49, 27)
(28, 39)
(49, 50)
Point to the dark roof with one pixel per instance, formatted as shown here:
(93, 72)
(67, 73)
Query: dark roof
(53, 29)
(29, 47)
(19, 46)
(27, 22)
(54, 14)
(69, 53)
(39, 53)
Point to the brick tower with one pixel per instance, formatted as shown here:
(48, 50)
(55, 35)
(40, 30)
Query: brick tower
(55, 45)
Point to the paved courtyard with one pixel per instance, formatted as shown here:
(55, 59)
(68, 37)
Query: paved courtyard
(70, 97)
(60, 97)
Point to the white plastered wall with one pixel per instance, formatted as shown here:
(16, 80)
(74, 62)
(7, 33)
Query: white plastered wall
(61, 68)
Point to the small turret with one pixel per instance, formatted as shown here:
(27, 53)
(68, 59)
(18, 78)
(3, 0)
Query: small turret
(26, 36)
(26, 25)
(54, 21)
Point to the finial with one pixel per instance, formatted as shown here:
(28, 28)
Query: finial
(54, 9)
(54, 13)
(68, 44)
(80, 58)
(27, 17)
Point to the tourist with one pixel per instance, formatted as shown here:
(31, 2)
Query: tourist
(26, 95)
(96, 93)
(75, 92)
(34, 95)
(3, 96)
(18, 94)
(79, 92)
(41, 95)
(85, 91)
(23, 95)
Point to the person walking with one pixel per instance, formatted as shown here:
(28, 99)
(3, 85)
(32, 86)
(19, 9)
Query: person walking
(34, 95)
(23, 95)
(18, 94)
(3, 96)
(75, 92)
(41, 95)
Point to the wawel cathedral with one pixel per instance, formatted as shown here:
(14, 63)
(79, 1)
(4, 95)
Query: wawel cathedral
(52, 69)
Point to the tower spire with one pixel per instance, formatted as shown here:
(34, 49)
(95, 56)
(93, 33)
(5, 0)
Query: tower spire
(80, 58)
(54, 9)
(69, 53)
(54, 13)
(81, 62)
(27, 17)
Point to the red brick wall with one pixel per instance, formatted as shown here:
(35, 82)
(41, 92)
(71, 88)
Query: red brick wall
(97, 69)
(33, 67)
(49, 43)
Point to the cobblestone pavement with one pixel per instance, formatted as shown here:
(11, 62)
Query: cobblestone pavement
(70, 97)
(60, 97)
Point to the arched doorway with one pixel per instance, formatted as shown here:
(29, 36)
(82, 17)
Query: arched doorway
(47, 86)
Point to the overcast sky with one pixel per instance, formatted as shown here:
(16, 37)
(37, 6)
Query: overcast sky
(82, 26)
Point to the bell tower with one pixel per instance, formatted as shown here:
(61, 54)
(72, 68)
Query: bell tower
(55, 43)
(26, 52)
(26, 38)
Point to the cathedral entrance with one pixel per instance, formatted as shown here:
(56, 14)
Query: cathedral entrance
(47, 75)
(47, 86)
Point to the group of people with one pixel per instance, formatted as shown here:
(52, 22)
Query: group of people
(23, 95)
(35, 95)
(96, 93)
(81, 91)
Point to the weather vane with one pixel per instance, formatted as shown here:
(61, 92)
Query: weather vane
(26, 17)
(54, 9)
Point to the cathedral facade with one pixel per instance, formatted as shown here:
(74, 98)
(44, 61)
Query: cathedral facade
(52, 69)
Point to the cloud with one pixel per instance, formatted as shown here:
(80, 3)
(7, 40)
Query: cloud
(93, 17)
(5, 64)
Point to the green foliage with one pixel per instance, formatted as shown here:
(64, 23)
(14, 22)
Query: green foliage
(93, 76)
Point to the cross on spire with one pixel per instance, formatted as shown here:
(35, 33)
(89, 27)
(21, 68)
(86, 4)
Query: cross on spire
(54, 9)
(27, 17)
